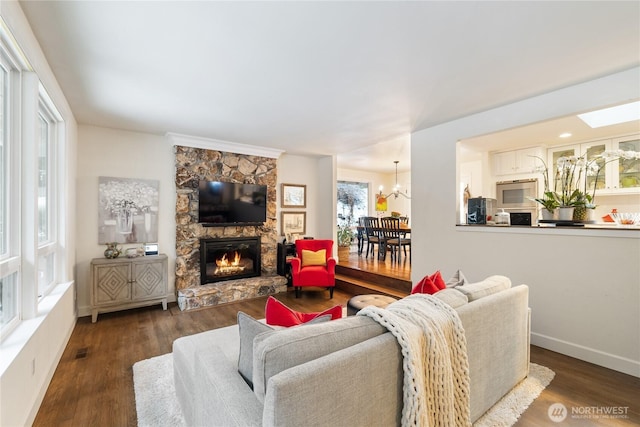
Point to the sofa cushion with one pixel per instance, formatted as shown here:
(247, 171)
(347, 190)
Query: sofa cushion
(318, 257)
(248, 328)
(274, 353)
(452, 297)
(278, 314)
(488, 286)
(429, 284)
(457, 279)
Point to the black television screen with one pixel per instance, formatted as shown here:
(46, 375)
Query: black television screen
(231, 203)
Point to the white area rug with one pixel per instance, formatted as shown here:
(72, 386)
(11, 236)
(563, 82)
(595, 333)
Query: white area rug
(157, 406)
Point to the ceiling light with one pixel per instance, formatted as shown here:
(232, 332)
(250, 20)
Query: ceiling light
(396, 188)
(612, 116)
(565, 135)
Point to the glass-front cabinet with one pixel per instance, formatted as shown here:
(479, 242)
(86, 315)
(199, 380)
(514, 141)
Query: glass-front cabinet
(627, 172)
(610, 175)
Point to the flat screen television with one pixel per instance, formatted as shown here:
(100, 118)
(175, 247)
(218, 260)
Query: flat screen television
(226, 203)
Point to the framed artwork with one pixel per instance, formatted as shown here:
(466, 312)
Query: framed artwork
(128, 210)
(293, 196)
(293, 223)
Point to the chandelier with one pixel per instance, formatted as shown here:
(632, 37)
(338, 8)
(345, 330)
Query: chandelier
(396, 188)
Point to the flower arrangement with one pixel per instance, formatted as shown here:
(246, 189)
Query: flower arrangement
(571, 184)
(548, 200)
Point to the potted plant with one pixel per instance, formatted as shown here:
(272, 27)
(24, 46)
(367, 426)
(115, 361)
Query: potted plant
(345, 237)
(548, 200)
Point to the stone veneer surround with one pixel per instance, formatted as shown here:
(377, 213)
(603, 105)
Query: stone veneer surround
(195, 164)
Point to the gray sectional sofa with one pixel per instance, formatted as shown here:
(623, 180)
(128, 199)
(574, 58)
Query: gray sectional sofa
(348, 371)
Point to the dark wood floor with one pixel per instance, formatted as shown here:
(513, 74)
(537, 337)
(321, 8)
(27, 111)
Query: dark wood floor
(93, 384)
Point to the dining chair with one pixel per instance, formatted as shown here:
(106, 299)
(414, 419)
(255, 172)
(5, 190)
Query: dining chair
(372, 233)
(395, 238)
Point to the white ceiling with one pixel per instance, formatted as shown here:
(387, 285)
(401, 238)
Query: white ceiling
(347, 78)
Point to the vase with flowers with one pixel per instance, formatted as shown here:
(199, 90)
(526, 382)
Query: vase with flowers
(575, 183)
(548, 200)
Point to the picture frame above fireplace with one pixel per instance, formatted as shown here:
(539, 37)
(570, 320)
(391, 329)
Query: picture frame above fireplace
(293, 196)
(293, 223)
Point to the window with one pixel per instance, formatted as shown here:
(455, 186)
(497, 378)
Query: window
(9, 210)
(47, 190)
(31, 134)
(353, 200)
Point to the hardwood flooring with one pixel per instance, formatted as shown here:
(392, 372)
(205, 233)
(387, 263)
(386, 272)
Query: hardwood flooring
(93, 384)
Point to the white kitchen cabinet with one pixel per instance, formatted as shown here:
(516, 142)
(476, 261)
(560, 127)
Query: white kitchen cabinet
(121, 283)
(517, 161)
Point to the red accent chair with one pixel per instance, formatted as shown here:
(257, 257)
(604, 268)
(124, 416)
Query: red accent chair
(313, 275)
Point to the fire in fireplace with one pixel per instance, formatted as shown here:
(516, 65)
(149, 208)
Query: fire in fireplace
(229, 258)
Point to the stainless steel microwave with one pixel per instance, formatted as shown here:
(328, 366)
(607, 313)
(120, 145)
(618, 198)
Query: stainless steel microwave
(517, 194)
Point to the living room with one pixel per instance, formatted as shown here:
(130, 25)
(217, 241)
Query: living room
(585, 284)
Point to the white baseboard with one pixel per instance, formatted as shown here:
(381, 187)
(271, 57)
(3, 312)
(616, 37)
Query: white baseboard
(607, 360)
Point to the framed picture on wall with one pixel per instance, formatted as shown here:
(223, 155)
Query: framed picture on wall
(293, 223)
(127, 210)
(293, 196)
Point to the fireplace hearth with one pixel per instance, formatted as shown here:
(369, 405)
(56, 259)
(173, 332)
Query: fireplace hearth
(229, 259)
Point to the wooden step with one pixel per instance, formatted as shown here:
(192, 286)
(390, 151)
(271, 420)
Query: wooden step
(360, 287)
(375, 279)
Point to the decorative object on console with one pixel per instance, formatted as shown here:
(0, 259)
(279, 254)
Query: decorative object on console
(112, 251)
(278, 314)
(128, 210)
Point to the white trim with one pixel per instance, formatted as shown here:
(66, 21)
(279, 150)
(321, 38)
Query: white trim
(219, 145)
(13, 48)
(591, 355)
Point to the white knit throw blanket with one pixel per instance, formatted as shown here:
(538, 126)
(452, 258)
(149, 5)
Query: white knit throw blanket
(435, 364)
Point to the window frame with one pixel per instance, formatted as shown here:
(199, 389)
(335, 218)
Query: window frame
(10, 257)
(49, 247)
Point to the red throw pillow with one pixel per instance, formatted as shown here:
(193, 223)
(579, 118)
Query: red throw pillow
(278, 314)
(437, 279)
(429, 284)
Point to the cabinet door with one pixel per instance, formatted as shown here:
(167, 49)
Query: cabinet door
(556, 153)
(148, 280)
(505, 163)
(628, 170)
(528, 160)
(597, 177)
(111, 284)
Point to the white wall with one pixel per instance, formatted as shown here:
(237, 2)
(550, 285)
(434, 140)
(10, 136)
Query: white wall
(119, 153)
(31, 353)
(301, 170)
(584, 285)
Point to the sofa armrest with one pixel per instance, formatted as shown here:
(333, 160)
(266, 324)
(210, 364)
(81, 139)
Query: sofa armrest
(222, 397)
(497, 331)
(367, 377)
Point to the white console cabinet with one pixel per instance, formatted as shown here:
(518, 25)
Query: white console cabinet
(122, 283)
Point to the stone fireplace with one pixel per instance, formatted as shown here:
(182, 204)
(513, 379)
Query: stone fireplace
(196, 164)
(229, 259)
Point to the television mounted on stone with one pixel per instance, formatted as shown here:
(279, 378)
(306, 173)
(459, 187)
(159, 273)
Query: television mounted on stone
(230, 203)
